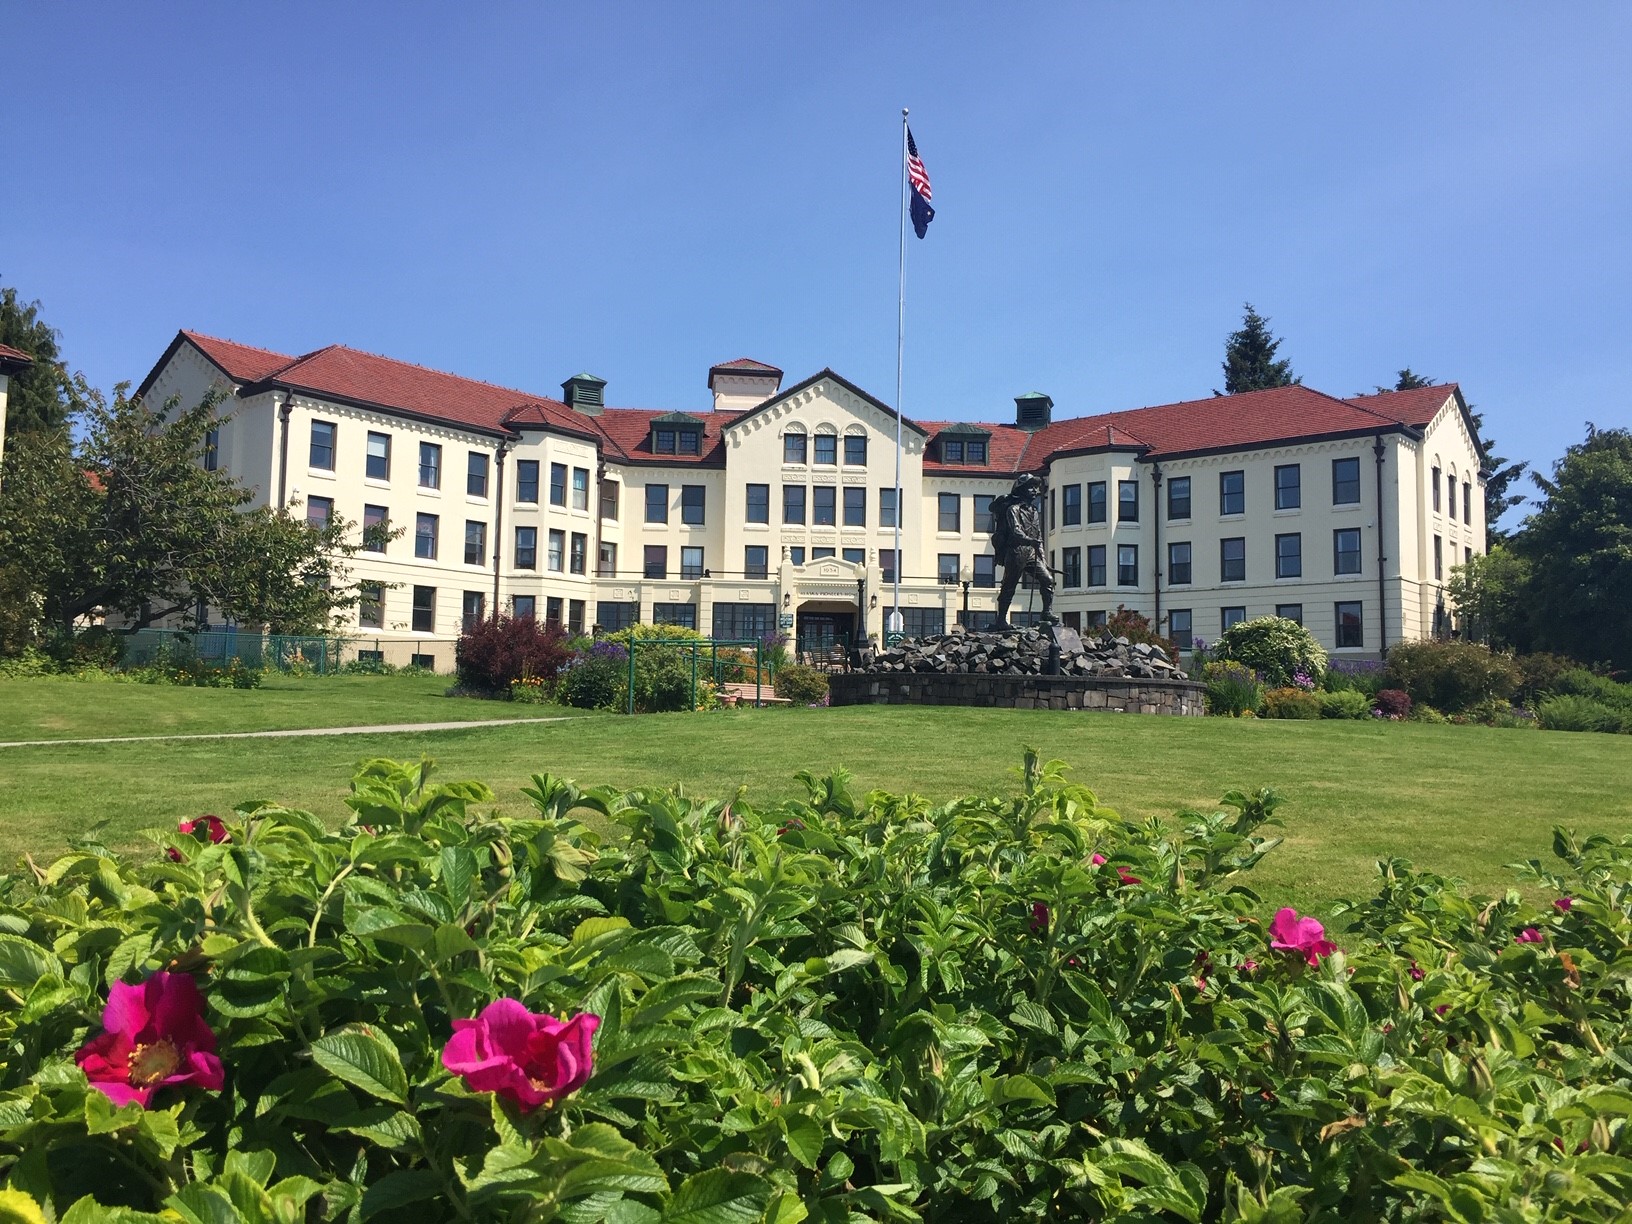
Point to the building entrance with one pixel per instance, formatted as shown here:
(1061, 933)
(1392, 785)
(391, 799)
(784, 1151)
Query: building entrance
(822, 632)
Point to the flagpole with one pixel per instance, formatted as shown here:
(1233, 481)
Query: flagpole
(897, 617)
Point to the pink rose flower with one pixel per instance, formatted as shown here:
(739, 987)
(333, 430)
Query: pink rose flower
(155, 1037)
(1528, 935)
(1249, 965)
(1416, 972)
(530, 1058)
(209, 824)
(1098, 860)
(1290, 933)
(1123, 875)
(1563, 904)
(1039, 918)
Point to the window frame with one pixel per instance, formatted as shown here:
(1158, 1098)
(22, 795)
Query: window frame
(655, 561)
(942, 503)
(526, 554)
(1174, 564)
(851, 443)
(1341, 484)
(1071, 568)
(693, 502)
(1091, 566)
(796, 501)
(855, 506)
(1232, 490)
(430, 464)
(659, 492)
(1127, 494)
(827, 505)
(1358, 625)
(1226, 562)
(825, 443)
(887, 502)
(1173, 499)
(525, 482)
(1127, 565)
(555, 551)
(433, 535)
(371, 595)
(580, 490)
(1339, 535)
(757, 504)
(1071, 505)
(333, 446)
(796, 455)
(1289, 495)
(377, 531)
(558, 485)
(692, 565)
(756, 568)
(476, 481)
(1289, 564)
(424, 602)
(383, 459)
(1099, 507)
(578, 552)
(480, 541)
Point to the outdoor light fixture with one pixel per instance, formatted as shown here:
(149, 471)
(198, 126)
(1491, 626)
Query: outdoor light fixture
(966, 575)
(787, 600)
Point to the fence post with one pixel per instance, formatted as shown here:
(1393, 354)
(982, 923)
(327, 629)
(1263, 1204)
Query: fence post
(631, 709)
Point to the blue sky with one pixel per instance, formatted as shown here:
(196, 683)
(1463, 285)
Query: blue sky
(519, 192)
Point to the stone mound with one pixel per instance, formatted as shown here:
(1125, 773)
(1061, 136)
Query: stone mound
(1024, 652)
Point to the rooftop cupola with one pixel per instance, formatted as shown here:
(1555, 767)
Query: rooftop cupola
(584, 393)
(742, 384)
(1033, 410)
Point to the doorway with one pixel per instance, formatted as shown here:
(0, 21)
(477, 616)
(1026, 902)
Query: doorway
(822, 632)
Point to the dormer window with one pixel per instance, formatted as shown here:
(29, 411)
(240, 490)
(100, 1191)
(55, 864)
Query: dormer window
(677, 433)
(690, 442)
(967, 451)
(663, 441)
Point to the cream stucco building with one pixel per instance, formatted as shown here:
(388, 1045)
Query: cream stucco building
(761, 507)
(12, 361)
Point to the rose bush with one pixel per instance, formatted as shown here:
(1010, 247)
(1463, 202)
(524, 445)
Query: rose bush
(850, 1007)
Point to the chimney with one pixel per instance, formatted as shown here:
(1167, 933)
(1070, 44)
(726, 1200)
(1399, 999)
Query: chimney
(742, 384)
(1033, 410)
(584, 393)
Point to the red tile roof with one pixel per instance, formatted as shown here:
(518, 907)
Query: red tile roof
(1004, 449)
(239, 362)
(1415, 407)
(629, 430)
(745, 365)
(7, 353)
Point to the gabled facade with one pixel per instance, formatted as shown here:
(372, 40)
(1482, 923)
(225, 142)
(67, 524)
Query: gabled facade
(775, 509)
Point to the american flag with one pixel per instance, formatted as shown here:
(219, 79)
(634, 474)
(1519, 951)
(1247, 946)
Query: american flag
(918, 177)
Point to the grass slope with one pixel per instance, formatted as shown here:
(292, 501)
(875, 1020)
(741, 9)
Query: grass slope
(1460, 800)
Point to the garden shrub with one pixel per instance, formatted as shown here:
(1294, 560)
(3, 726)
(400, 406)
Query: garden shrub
(1538, 673)
(1348, 703)
(1451, 676)
(1572, 712)
(844, 1007)
(27, 663)
(1291, 703)
(366, 667)
(1392, 703)
(1360, 675)
(1579, 682)
(1233, 689)
(493, 654)
(1274, 647)
(801, 685)
(598, 679)
(1422, 712)
(1136, 627)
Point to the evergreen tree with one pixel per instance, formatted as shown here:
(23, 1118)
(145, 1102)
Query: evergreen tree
(1410, 380)
(42, 396)
(1249, 357)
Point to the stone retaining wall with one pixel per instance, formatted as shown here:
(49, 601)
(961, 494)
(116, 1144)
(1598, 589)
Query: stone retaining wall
(1183, 697)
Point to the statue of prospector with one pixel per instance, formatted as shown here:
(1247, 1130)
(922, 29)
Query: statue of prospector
(1017, 540)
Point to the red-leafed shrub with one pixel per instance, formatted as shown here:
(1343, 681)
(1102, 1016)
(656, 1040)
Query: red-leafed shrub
(1392, 703)
(496, 653)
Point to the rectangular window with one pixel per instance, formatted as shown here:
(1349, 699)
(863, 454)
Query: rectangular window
(1351, 624)
(855, 450)
(427, 661)
(575, 616)
(985, 571)
(793, 502)
(612, 615)
(1178, 497)
(1467, 503)
(554, 558)
(212, 449)
(1231, 616)
(856, 556)
(606, 560)
(691, 561)
(474, 610)
(580, 488)
(1071, 567)
(371, 605)
(424, 620)
(1053, 522)
(524, 607)
(1450, 495)
(657, 503)
(425, 526)
(827, 449)
(983, 513)
(816, 554)
(693, 504)
(793, 448)
(1178, 563)
(1127, 565)
(657, 561)
(476, 474)
(1071, 505)
(475, 542)
(610, 489)
(1096, 501)
(1127, 501)
(1288, 486)
(952, 450)
(526, 548)
(1345, 482)
(1232, 493)
(1094, 620)
(683, 615)
(1096, 565)
(744, 621)
(1467, 555)
(920, 622)
(974, 451)
(886, 565)
(1232, 559)
(319, 510)
(823, 510)
(1179, 628)
(886, 507)
(1346, 551)
(691, 441)
(946, 568)
(759, 503)
(950, 518)
(558, 484)
(756, 561)
(1434, 481)
(578, 553)
(322, 450)
(855, 506)
(1291, 612)
(1289, 555)
(1439, 557)
(376, 528)
(527, 481)
(552, 610)
(377, 457)
(663, 441)
(430, 465)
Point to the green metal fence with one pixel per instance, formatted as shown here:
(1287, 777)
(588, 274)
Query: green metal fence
(711, 667)
(222, 646)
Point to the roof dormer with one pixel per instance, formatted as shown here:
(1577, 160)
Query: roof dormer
(964, 445)
(742, 384)
(676, 433)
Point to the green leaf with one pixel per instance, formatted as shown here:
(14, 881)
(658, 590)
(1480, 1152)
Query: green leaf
(399, 1189)
(23, 962)
(591, 929)
(1160, 1185)
(718, 1196)
(201, 1204)
(363, 1058)
(458, 871)
(390, 1128)
(805, 1138)
(88, 1211)
(1033, 1016)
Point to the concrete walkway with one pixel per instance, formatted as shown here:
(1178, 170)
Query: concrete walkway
(384, 729)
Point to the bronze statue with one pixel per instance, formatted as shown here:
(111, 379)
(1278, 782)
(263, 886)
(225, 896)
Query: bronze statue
(1017, 539)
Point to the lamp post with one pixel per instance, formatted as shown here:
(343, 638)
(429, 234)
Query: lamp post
(966, 575)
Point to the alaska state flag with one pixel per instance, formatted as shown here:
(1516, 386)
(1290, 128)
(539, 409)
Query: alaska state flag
(918, 178)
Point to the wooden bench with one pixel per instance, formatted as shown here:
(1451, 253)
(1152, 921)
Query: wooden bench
(743, 694)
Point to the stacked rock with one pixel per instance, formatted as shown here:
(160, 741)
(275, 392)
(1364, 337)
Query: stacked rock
(1025, 652)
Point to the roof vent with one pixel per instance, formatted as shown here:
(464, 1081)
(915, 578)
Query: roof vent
(1033, 410)
(584, 393)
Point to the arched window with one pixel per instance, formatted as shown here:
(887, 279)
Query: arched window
(793, 445)
(826, 450)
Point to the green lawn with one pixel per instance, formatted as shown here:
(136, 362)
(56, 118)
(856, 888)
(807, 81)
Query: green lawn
(58, 708)
(1462, 800)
